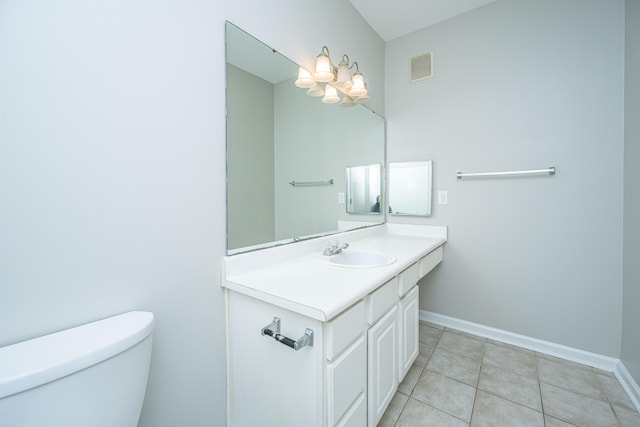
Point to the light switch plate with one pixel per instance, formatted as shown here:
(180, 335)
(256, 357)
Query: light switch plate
(442, 197)
(341, 198)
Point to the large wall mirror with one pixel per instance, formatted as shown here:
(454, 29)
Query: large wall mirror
(288, 154)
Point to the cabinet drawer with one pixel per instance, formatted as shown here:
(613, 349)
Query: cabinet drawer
(346, 380)
(429, 261)
(381, 300)
(357, 415)
(344, 329)
(408, 278)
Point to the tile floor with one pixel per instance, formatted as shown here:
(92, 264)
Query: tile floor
(465, 380)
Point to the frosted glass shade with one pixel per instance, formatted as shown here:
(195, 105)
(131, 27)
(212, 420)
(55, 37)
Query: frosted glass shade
(344, 76)
(330, 95)
(305, 79)
(324, 70)
(358, 88)
(316, 90)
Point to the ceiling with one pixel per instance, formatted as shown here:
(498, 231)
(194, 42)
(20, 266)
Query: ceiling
(407, 16)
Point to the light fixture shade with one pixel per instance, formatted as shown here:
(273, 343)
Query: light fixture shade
(316, 90)
(305, 79)
(362, 99)
(344, 75)
(324, 69)
(347, 101)
(330, 95)
(358, 88)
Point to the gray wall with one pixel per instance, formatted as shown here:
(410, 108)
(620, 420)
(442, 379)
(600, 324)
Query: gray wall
(518, 85)
(112, 170)
(250, 156)
(631, 319)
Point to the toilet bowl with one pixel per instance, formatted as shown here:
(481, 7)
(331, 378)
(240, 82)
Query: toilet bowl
(91, 375)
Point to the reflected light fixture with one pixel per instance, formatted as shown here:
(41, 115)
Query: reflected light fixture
(305, 79)
(330, 95)
(316, 90)
(335, 79)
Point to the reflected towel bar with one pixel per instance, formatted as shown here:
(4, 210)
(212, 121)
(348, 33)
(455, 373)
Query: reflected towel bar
(310, 183)
(549, 171)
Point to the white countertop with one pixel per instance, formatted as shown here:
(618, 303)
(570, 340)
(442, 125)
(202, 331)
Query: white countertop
(298, 279)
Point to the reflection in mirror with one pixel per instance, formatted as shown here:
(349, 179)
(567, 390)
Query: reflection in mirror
(277, 134)
(364, 187)
(410, 188)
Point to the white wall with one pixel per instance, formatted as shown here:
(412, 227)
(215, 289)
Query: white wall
(518, 85)
(631, 319)
(112, 181)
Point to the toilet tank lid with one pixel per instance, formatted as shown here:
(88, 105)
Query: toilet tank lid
(38, 361)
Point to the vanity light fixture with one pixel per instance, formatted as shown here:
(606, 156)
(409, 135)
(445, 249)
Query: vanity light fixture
(353, 87)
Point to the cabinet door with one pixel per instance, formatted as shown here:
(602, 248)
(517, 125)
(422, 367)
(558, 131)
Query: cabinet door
(408, 317)
(383, 365)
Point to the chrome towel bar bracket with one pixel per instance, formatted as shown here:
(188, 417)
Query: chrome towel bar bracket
(273, 330)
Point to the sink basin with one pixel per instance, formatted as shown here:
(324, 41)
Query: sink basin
(360, 259)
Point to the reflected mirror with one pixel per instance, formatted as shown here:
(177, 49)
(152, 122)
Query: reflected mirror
(364, 187)
(287, 152)
(410, 188)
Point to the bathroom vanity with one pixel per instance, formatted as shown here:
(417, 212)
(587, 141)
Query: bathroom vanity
(314, 342)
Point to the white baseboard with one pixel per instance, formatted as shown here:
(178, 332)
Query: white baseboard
(628, 384)
(599, 361)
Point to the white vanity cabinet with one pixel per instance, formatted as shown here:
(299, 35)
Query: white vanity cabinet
(354, 357)
(271, 384)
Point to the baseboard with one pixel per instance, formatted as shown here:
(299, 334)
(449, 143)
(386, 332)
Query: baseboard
(604, 363)
(629, 385)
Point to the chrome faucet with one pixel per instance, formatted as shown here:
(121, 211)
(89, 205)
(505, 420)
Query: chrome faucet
(335, 249)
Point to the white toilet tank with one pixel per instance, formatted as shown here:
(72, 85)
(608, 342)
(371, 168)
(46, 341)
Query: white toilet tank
(94, 375)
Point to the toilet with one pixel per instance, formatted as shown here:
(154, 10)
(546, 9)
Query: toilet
(91, 375)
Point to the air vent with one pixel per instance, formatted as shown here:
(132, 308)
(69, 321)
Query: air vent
(421, 67)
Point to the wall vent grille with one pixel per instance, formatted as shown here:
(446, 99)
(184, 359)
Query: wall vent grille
(421, 67)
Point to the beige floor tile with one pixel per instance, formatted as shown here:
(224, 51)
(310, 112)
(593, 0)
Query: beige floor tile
(429, 335)
(627, 417)
(424, 352)
(578, 378)
(418, 414)
(492, 411)
(554, 422)
(455, 366)
(394, 410)
(445, 394)
(613, 391)
(576, 408)
(433, 325)
(410, 380)
(462, 344)
(511, 386)
(511, 346)
(505, 357)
